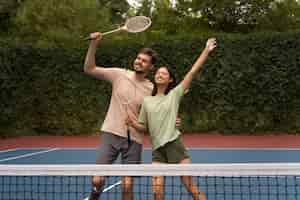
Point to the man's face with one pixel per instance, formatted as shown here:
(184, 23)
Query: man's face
(142, 63)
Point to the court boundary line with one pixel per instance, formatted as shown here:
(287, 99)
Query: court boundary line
(189, 148)
(28, 155)
(110, 187)
(245, 148)
(9, 150)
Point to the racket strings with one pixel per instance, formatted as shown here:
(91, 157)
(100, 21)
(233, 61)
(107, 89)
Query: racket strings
(138, 24)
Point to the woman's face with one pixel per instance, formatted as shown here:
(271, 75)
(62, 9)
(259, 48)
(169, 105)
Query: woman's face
(162, 76)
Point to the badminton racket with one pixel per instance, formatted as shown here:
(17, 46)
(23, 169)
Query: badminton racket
(132, 25)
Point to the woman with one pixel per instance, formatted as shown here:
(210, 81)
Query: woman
(158, 117)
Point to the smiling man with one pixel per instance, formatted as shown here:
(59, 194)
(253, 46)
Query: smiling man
(114, 136)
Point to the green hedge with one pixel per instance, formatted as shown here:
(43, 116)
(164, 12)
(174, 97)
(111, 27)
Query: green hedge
(250, 84)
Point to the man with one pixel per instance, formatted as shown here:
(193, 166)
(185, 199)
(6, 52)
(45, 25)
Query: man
(114, 136)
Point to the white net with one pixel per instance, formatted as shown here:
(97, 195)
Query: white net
(279, 181)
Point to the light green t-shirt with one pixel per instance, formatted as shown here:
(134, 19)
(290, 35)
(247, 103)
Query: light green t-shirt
(159, 113)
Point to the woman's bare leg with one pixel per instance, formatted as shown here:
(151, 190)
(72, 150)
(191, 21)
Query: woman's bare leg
(158, 185)
(190, 185)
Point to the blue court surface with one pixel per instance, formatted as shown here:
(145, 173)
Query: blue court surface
(88, 156)
(216, 188)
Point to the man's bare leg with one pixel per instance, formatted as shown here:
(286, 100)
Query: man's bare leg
(127, 188)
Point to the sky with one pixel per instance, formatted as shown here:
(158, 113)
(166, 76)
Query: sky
(132, 2)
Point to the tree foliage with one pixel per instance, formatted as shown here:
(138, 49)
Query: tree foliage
(116, 8)
(8, 9)
(227, 15)
(241, 16)
(65, 21)
(284, 15)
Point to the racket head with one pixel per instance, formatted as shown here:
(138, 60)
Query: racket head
(137, 24)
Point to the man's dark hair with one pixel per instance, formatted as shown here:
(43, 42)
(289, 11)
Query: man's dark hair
(150, 52)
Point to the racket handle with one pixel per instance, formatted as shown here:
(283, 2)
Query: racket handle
(88, 38)
(106, 33)
(112, 31)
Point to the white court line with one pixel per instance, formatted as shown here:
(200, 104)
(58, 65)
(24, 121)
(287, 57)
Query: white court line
(189, 148)
(108, 188)
(28, 155)
(8, 150)
(62, 148)
(245, 148)
(112, 186)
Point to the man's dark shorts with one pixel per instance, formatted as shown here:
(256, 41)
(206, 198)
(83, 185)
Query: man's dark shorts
(112, 145)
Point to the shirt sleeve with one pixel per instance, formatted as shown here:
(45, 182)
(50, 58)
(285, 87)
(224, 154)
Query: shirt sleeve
(109, 74)
(178, 91)
(143, 115)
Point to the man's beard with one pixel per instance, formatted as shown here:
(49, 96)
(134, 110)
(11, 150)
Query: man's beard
(139, 71)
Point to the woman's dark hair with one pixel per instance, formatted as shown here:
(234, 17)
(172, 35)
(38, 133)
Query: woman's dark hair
(171, 84)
